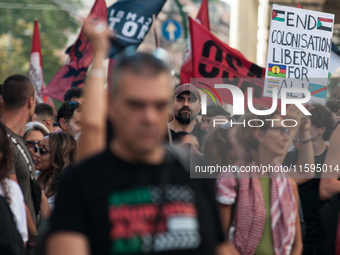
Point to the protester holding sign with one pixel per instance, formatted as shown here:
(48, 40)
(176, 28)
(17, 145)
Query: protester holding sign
(316, 241)
(330, 188)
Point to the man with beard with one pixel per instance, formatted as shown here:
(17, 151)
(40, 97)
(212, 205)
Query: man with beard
(19, 101)
(186, 104)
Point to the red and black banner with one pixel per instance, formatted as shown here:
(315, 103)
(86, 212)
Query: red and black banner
(186, 68)
(214, 59)
(74, 73)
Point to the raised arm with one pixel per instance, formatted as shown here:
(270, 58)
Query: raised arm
(306, 152)
(94, 114)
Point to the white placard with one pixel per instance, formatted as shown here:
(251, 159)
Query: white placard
(299, 48)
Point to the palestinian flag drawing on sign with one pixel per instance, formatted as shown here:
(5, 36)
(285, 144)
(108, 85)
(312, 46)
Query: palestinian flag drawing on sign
(278, 15)
(325, 24)
(277, 70)
(317, 90)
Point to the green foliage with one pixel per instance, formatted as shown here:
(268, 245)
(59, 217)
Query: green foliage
(16, 31)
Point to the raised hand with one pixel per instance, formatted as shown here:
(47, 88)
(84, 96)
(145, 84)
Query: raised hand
(97, 32)
(303, 121)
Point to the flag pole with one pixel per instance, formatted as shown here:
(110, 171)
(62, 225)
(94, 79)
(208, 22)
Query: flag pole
(154, 26)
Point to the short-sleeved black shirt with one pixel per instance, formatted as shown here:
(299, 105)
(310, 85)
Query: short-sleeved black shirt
(116, 205)
(310, 200)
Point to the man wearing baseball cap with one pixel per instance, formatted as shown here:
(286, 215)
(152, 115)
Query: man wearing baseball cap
(186, 104)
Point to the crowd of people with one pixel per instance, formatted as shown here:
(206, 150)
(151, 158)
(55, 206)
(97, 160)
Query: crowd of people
(110, 172)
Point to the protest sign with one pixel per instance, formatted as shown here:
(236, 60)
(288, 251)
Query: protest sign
(299, 50)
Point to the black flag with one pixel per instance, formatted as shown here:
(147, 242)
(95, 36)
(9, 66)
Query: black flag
(131, 20)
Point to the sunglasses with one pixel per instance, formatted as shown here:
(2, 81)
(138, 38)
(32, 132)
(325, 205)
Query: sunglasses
(34, 145)
(31, 144)
(42, 151)
(282, 130)
(72, 104)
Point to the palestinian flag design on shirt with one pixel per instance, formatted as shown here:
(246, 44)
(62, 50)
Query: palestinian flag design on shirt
(278, 15)
(325, 24)
(143, 220)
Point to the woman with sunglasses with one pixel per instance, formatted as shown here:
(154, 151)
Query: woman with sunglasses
(34, 132)
(259, 211)
(54, 153)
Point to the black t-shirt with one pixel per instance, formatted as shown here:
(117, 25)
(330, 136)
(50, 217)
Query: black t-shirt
(198, 132)
(116, 205)
(309, 199)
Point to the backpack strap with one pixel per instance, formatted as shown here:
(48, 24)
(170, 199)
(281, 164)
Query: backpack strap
(22, 152)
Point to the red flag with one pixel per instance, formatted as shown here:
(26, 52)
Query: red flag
(299, 6)
(203, 14)
(35, 72)
(186, 69)
(214, 59)
(74, 73)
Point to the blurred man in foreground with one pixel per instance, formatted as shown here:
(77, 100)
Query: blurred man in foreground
(141, 199)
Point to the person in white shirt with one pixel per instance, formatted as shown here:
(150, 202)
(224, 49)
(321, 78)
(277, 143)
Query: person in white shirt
(9, 189)
(17, 205)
